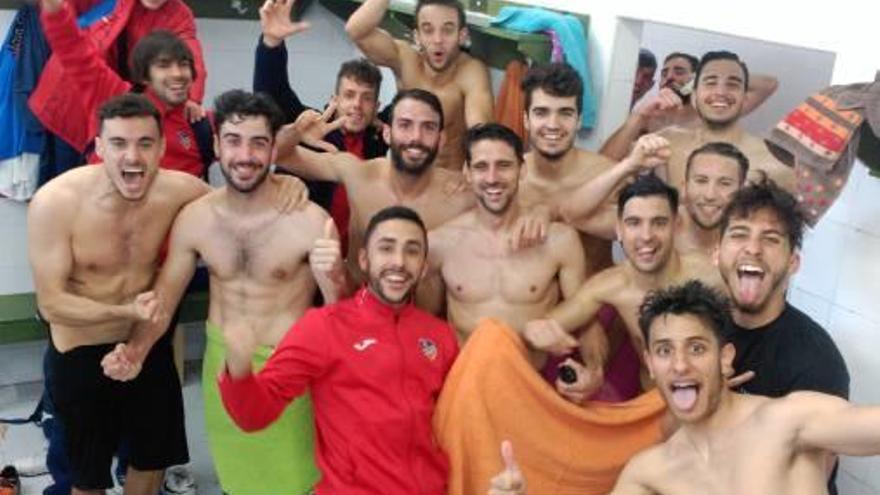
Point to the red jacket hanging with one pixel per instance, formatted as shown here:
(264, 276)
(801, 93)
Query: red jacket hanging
(374, 378)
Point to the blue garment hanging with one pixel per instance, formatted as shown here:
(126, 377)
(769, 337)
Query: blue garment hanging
(571, 34)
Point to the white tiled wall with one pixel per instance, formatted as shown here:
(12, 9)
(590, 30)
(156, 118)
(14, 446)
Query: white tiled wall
(839, 283)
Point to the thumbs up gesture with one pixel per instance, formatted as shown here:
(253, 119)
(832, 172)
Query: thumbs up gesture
(325, 258)
(510, 481)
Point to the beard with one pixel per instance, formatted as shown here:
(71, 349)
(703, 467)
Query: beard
(241, 187)
(414, 169)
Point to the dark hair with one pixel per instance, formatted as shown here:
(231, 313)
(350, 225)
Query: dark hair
(691, 298)
(726, 150)
(766, 195)
(647, 185)
(722, 55)
(647, 59)
(361, 71)
(492, 132)
(394, 213)
(126, 106)
(426, 97)
(693, 61)
(156, 45)
(453, 4)
(556, 79)
(239, 103)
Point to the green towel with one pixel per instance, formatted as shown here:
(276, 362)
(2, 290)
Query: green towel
(279, 460)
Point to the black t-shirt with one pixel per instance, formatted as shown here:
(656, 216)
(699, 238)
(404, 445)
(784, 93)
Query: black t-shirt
(790, 353)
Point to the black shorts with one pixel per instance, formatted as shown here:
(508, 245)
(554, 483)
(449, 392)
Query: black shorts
(99, 413)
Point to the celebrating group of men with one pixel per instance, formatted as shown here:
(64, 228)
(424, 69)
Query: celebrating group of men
(410, 233)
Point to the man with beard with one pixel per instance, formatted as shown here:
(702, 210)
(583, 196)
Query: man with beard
(714, 173)
(374, 365)
(646, 222)
(472, 259)
(645, 70)
(258, 259)
(719, 96)
(408, 178)
(761, 234)
(438, 65)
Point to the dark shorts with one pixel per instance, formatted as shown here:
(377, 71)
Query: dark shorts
(99, 413)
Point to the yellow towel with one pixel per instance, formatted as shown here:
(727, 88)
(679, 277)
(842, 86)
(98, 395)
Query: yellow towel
(492, 394)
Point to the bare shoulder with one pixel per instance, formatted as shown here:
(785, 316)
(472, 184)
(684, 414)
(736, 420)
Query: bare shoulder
(471, 70)
(797, 405)
(63, 194)
(609, 282)
(641, 468)
(562, 236)
(452, 231)
(178, 187)
(590, 159)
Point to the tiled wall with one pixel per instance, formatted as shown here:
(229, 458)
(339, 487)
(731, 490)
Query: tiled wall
(839, 282)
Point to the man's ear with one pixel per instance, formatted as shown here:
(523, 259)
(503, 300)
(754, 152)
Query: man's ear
(99, 147)
(728, 353)
(362, 259)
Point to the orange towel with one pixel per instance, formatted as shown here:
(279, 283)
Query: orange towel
(492, 393)
(511, 103)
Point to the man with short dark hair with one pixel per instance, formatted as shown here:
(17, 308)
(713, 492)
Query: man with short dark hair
(94, 240)
(773, 445)
(375, 430)
(408, 177)
(698, 112)
(477, 275)
(713, 174)
(355, 101)
(437, 64)
(761, 234)
(259, 261)
(647, 216)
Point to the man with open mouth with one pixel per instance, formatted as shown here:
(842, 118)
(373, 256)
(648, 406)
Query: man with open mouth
(719, 98)
(436, 64)
(762, 230)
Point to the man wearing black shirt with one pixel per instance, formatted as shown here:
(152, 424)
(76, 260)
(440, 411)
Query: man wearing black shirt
(356, 101)
(761, 234)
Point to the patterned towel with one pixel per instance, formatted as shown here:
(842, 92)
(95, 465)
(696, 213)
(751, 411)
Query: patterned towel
(820, 138)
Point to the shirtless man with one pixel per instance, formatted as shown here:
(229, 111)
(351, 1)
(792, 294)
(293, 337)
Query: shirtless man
(646, 222)
(258, 259)
(408, 178)
(555, 168)
(471, 256)
(436, 64)
(719, 98)
(671, 105)
(728, 443)
(94, 237)
(733, 443)
(713, 174)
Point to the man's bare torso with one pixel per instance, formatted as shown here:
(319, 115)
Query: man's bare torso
(596, 250)
(258, 264)
(752, 455)
(484, 277)
(115, 250)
